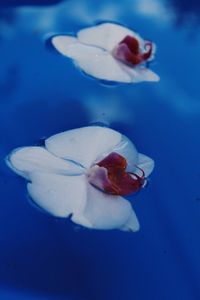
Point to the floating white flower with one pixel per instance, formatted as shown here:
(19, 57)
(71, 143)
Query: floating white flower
(109, 52)
(83, 173)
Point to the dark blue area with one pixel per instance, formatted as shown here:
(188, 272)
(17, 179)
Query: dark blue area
(28, 2)
(43, 93)
(186, 11)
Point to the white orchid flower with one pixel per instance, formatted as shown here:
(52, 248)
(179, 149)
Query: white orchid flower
(83, 174)
(109, 52)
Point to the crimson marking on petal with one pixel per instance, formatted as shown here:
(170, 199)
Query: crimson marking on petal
(132, 43)
(118, 181)
(129, 52)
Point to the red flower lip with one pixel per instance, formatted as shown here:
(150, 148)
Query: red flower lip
(129, 52)
(110, 176)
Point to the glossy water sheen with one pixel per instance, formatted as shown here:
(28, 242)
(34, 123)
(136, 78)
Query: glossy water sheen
(42, 93)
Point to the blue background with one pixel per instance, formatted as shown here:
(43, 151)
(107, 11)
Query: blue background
(42, 93)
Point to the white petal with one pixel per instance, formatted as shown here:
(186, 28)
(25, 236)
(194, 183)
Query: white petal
(25, 160)
(60, 195)
(102, 65)
(83, 145)
(132, 224)
(140, 73)
(91, 52)
(146, 164)
(63, 43)
(92, 60)
(106, 211)
(127, 149)
(97, 62)
(105, 35)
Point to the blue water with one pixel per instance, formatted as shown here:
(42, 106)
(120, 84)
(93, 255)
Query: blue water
(42, 93)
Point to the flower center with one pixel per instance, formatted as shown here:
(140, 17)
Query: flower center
(110, 176)
(129, 52)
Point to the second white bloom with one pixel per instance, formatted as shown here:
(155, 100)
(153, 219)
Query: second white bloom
(58, 176)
